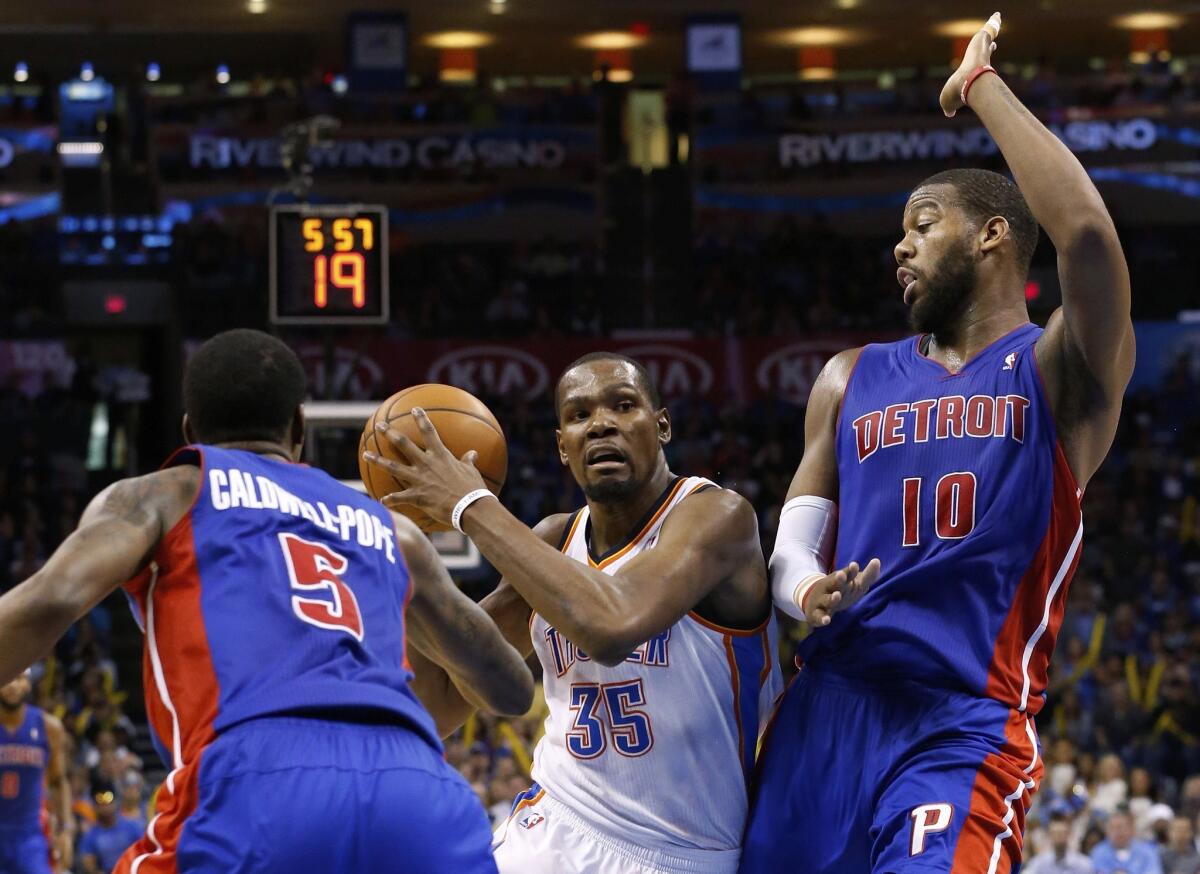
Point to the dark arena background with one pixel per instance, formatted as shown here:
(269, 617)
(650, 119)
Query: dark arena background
(477, 193)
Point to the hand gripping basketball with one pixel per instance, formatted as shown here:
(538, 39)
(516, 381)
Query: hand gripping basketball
(978, 54)
(434, 480)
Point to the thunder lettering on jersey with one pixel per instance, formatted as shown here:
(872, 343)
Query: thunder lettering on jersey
(620, 741)
(958, 484)
(24, 755)
(281, 591)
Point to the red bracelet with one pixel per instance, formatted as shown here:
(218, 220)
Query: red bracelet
(975, 74)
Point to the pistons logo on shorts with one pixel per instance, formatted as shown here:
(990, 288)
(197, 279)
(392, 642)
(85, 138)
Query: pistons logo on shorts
(529, 820)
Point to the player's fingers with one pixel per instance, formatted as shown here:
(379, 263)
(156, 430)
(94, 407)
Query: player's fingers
(992, 25)
(405, 497)
(432, 439)
(471, 457)
(387, 464)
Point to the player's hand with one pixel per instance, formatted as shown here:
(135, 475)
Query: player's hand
(434, 480)
(64, 850)
(838, 591)
(978, 54)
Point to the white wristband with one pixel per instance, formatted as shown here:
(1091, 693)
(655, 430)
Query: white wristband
(461, 507)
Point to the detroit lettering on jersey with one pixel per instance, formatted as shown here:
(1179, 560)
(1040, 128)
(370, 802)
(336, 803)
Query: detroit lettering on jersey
(944, 418)
(652, 653)
(233, 488)
(22, 754)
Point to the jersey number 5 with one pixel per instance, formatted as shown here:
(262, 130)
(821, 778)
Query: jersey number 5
(629, 727)
(314, 567)
(953, 507)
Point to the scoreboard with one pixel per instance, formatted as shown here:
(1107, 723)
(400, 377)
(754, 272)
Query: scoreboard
(329, 265)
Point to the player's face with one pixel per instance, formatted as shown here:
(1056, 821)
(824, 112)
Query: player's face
(14, 693)
(936, 258)
(610, 433)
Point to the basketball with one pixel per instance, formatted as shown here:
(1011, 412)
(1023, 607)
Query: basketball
(462, 420)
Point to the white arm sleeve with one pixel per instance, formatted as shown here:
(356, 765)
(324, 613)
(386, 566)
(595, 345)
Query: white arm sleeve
(803, 550)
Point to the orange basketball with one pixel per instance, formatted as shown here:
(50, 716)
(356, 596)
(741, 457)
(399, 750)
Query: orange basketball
(464, 423)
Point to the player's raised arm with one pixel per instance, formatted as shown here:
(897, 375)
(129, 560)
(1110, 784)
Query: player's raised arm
(1088, 349)
(118, 533)
(702, 543)
(803, 585)
(455, 633)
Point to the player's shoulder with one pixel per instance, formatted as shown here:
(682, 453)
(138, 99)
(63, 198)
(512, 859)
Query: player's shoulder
(834, 377)
(54, 726)
(712, 505)
(553, 528)
(169, 493)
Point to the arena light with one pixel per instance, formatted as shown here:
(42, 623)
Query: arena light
(846, 4)
(80, 148)
(1149, 21)
(223, 74)
(802, 37)
(610, 40)
(256, 7)
(86, 71)
(960, 28)
(21, 72)
(340, 85)
(459, 39)
(153, 72)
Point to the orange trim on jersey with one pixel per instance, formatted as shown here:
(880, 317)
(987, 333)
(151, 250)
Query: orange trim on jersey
(527, 802)
(154, 852)
(645, 529)
(736, 680)
(761, 628)
(566, 544)
(1000, 798)
(1006, 674)
(767, 661)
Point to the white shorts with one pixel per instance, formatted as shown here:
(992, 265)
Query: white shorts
(544, 837)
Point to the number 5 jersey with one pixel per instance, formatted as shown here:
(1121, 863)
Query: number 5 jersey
(957, 483)
(657, 750)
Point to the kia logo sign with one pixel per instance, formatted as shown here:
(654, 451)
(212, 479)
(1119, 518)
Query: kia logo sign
(675, 371)
(789, 373)
(346, 375)
(492, 370)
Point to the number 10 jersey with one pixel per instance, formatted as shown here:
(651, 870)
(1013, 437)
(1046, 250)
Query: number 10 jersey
(957, 483)
(655, 751)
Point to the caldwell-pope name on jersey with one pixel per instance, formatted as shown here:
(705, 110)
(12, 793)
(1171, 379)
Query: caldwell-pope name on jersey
(229, 489)
(652, 653)
(941, 418)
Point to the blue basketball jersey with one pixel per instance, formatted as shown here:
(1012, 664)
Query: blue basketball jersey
(957, 483)
(24, 755)
(280, 592)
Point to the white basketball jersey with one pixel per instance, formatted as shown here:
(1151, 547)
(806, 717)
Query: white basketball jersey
(656, 750)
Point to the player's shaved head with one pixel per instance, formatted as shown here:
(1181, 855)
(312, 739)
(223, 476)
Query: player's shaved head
(643, 375)
(982, 195)
(242, 385)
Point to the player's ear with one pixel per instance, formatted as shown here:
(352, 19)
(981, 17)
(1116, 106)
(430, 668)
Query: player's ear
(664, 427)
(297, 433)
(562, 453)
(189, 436)
(993, 233)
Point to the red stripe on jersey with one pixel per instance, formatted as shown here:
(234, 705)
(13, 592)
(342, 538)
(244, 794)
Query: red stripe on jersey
(154, 852)
(1058, 553)
(991, 837)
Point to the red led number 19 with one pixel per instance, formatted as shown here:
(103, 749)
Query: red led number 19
(344, 270)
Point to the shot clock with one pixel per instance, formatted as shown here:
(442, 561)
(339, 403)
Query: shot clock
(329, 265)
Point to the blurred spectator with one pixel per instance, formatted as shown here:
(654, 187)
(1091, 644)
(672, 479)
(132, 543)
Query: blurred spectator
(102, 846)
(1059, 858)
(1180, 855)
(1122, 853)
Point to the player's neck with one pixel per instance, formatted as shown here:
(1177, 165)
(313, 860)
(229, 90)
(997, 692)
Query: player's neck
(260, 447)
(12, 719)
(612, 522)
(980, 325)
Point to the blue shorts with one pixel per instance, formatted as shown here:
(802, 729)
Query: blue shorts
(856, 778)
(288, 795)
(24, 852)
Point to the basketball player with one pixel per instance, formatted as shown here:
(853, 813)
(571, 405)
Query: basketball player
(955, 461)
(650, 614)
(274, 604)
(32, 759)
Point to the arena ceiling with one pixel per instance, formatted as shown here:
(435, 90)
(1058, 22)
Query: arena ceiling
(537, 36)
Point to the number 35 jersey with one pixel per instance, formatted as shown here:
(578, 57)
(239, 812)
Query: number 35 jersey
(656, 750)
(957, 483)
(280, 592)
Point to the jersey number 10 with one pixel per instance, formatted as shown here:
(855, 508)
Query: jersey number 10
(953, 507)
